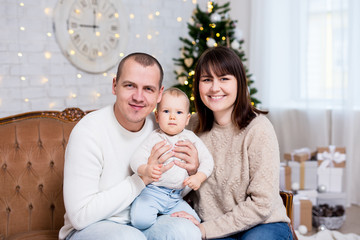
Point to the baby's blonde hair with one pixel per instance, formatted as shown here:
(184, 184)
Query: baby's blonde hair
(178, 93)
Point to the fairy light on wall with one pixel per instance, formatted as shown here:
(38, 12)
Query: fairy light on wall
(52, 105)
(44, 80)
(47, 55)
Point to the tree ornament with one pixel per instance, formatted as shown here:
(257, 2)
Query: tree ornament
(235, 44)
(238, 34)
(188, 62)
(210, 42)
(295, 186)
(322, 227)
(215, 17)
(302, 229)
(182, 79)
(321, 188)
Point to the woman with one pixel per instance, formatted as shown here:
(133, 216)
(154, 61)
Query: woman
(240, 200)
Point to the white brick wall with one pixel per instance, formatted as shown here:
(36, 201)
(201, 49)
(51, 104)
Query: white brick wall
(53, 83)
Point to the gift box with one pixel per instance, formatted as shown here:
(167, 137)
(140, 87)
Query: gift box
(331, 156)
(300, 155)
(304, 173)
(331, 179)
(285, 177)
(312, 195)
(302, 212)
(332, 199)
(331, 163)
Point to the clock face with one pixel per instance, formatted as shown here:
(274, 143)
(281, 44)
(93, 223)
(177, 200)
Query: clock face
(91, 33)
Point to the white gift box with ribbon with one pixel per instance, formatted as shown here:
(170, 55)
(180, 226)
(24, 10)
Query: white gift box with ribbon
(331, 165)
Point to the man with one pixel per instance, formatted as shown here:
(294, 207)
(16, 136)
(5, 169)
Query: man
(99, 185)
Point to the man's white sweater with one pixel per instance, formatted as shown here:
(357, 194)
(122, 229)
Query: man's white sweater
(98, 181)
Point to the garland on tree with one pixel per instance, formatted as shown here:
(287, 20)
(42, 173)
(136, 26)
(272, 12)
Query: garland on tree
(210, 28)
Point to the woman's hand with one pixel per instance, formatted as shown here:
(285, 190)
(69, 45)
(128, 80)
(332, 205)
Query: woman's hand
(186, 151)
(190, 217)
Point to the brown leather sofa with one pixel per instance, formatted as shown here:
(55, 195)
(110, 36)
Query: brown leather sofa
(32, 149)
(31, 173)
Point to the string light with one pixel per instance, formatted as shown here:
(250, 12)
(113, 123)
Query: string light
(20, 54)
(157, 13)
(78, 75)
(51, 105)
(22, 28)
(21, 4)
(149, 36)
(105, 74)
(210, 6)
(22, 78)
(137, 35)
(49, 34)
(47, 55)
(151, 16)
(44, 80)
(121, 54)
(179, 19)
(26, 100)
(132, 16)
(47, 11)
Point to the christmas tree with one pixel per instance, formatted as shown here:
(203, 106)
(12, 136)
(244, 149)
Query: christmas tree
(209, 28)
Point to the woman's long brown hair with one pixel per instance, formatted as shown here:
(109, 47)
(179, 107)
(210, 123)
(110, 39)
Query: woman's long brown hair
(223, 61)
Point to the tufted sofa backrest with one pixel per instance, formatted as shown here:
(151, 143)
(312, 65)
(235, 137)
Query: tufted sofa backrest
(32, 149)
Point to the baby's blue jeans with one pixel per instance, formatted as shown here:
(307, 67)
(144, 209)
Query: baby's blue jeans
(154, 201)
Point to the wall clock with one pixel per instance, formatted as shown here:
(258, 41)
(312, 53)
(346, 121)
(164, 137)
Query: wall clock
(91, 33)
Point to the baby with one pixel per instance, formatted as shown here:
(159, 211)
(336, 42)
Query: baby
(163, 196)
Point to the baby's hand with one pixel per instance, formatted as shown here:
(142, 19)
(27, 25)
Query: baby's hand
(194, 182)
(154, 171)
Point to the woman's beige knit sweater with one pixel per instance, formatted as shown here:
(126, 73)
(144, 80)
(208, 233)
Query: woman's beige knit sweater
(243, 190)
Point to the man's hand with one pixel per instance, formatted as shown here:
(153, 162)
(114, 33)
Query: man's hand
(186, 151)
(152, 171)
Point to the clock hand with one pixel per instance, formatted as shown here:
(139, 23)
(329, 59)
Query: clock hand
(89, 26)
(94, 18)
